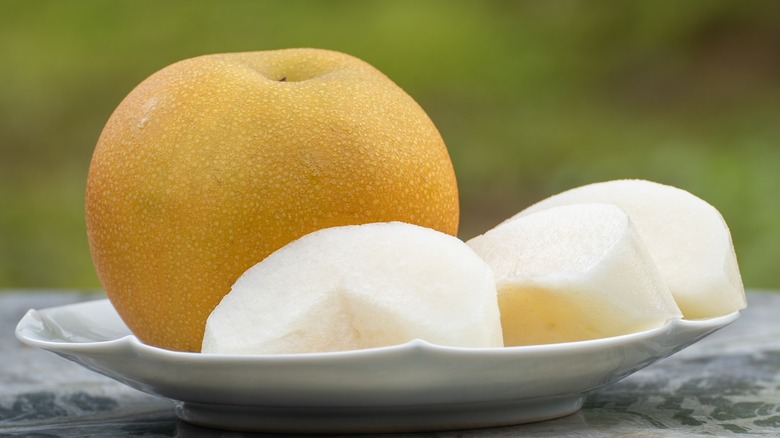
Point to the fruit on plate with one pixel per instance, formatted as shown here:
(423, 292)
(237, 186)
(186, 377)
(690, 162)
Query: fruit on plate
(687, 238)
(573, 273)
(356, 287)
(213, 163)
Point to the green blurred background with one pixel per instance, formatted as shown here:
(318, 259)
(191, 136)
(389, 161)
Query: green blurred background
(532, 97)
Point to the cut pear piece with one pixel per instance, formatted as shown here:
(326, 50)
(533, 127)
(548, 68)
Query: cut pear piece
(356, 287)
(574, 273)
(687, 238)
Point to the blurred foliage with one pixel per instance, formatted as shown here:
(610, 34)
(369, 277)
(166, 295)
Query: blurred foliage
(532, 97)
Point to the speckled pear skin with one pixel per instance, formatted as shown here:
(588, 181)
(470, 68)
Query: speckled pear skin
(214, 162)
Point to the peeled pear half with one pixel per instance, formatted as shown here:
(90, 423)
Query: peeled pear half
(356, 287)
(574, 273)
(687, 238)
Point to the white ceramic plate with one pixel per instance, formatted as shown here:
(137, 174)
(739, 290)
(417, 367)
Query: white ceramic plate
(410, 387)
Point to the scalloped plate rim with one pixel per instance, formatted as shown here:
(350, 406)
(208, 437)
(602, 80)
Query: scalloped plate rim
(453, 387)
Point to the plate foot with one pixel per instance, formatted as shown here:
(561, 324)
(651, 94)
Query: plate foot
(377, 419)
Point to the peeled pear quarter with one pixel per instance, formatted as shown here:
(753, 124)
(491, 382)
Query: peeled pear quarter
(574, 273)
(687, 238)
(356, 287)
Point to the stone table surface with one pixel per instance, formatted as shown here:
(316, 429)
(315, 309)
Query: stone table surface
(727, 384)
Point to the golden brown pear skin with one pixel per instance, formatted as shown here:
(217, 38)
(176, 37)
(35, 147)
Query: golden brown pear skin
(214, 162)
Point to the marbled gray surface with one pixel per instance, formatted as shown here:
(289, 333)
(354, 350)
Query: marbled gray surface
(727, 384)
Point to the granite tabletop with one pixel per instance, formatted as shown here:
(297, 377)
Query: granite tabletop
(727, 384)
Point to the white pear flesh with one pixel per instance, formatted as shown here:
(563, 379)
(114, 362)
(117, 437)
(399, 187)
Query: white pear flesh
(358, 287)
(574, 273)
(686, 236)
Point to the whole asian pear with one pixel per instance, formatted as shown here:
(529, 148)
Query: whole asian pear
(214, 162)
